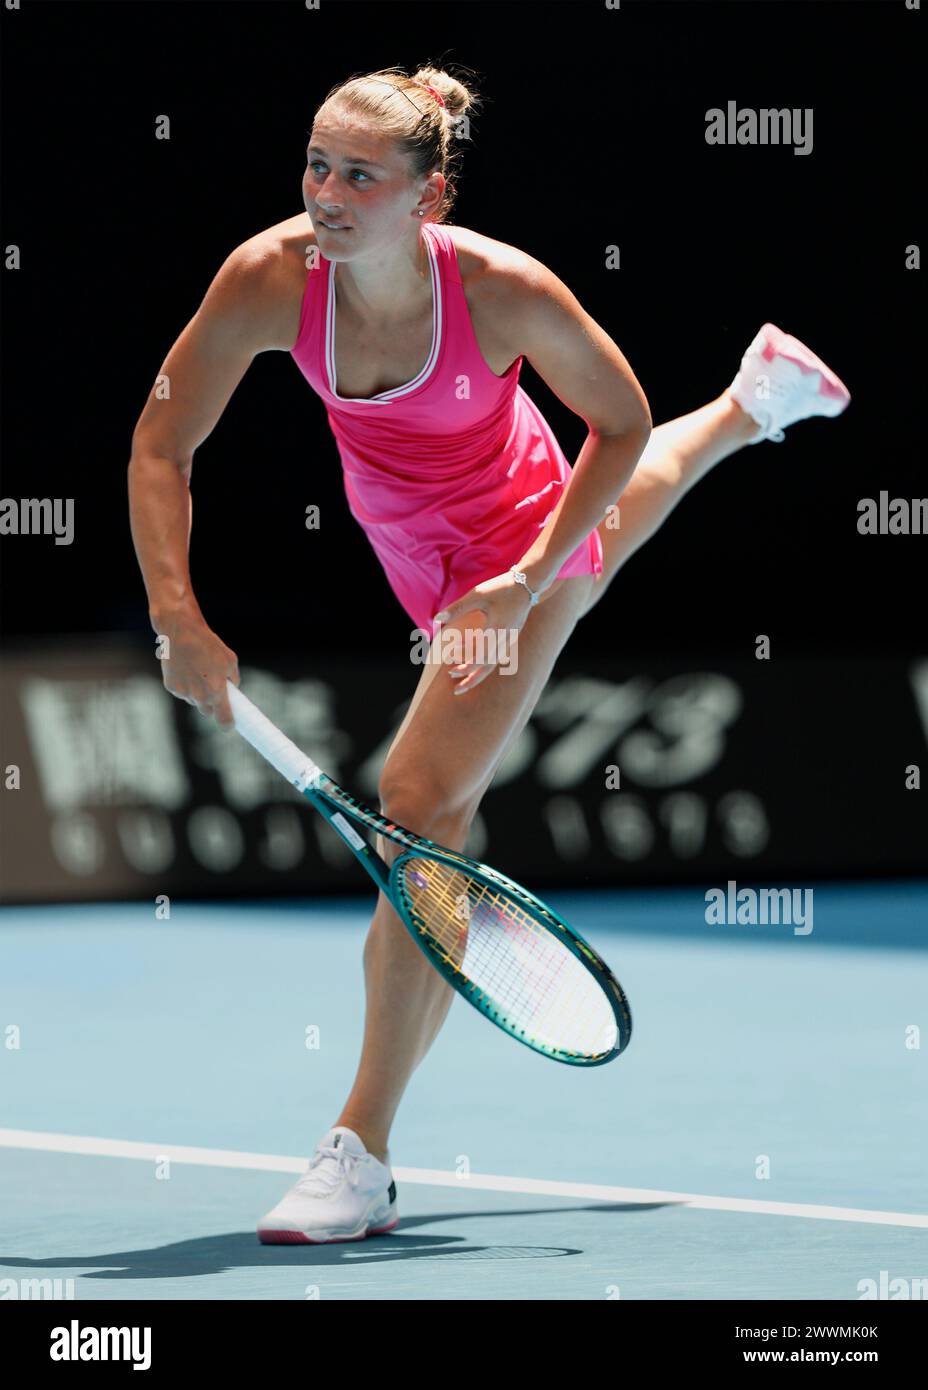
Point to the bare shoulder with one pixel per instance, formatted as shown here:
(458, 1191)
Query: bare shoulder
(506, 288)
(285, 245)
(266, 274)
(521, 308)
(493, 271)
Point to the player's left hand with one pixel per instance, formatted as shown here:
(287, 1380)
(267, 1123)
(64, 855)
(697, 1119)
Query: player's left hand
(475, 649)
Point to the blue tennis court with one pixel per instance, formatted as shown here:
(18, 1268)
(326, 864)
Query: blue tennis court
(763, 1136)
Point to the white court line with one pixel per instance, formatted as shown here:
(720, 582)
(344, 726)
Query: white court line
(437, 1177)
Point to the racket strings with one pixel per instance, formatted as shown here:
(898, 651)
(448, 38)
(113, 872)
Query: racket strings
(524, 970)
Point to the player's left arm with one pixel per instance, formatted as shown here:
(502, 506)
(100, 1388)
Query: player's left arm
(540, 318)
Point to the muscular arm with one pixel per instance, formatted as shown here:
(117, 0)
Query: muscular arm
(237, 319)
(240, 316)
(587, 371)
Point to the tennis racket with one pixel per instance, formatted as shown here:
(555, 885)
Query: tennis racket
(504, 951)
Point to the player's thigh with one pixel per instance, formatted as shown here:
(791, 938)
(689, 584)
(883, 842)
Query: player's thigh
(580, 590)
(448, 747)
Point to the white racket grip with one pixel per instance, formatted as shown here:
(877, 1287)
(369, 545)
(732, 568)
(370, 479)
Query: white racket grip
(267, 739)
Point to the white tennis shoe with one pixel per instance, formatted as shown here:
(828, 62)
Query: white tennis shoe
(345, 1194)
(781, 381)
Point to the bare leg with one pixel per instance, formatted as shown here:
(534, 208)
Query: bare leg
(407, 1002)
(440, 763)
(676, 456)
(446, 752)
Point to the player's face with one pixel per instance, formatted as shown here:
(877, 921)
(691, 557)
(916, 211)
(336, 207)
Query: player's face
(356, 187)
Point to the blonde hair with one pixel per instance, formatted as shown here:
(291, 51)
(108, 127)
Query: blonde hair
(420, 125)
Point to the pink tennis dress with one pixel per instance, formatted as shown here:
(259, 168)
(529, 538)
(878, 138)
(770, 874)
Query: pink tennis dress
(453, 475)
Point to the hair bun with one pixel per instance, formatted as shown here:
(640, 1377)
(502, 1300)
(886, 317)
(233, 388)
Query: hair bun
(416, 121)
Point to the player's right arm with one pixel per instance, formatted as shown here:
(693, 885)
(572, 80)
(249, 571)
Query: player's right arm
(243, 312)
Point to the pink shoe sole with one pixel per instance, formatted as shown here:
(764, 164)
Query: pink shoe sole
(778, 343)
(297, 1237)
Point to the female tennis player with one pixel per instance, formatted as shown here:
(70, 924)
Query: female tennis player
(413, 332)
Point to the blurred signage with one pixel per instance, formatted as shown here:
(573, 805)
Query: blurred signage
(632, 773)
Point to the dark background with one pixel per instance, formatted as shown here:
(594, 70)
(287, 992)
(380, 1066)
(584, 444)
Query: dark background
(592, 133)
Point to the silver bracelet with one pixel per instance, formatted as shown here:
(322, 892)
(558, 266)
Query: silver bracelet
(520, 578)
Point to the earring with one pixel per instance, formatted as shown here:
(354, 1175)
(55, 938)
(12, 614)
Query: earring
(421, 213)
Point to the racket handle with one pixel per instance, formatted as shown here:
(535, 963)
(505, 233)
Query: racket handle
(267, 739)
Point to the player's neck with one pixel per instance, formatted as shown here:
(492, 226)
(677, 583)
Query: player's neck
(388, 286)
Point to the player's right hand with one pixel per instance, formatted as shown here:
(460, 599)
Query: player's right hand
(195, 666)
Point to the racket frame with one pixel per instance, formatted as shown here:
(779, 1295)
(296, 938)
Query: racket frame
(336, 805)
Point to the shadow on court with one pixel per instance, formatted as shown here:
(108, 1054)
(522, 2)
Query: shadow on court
(211, 1255)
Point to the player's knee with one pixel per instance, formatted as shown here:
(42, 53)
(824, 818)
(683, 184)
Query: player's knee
(427, 806)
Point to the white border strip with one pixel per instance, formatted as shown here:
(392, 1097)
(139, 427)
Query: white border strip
(436, 1177)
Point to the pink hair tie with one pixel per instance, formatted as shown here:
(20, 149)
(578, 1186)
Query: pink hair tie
(437, 95)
